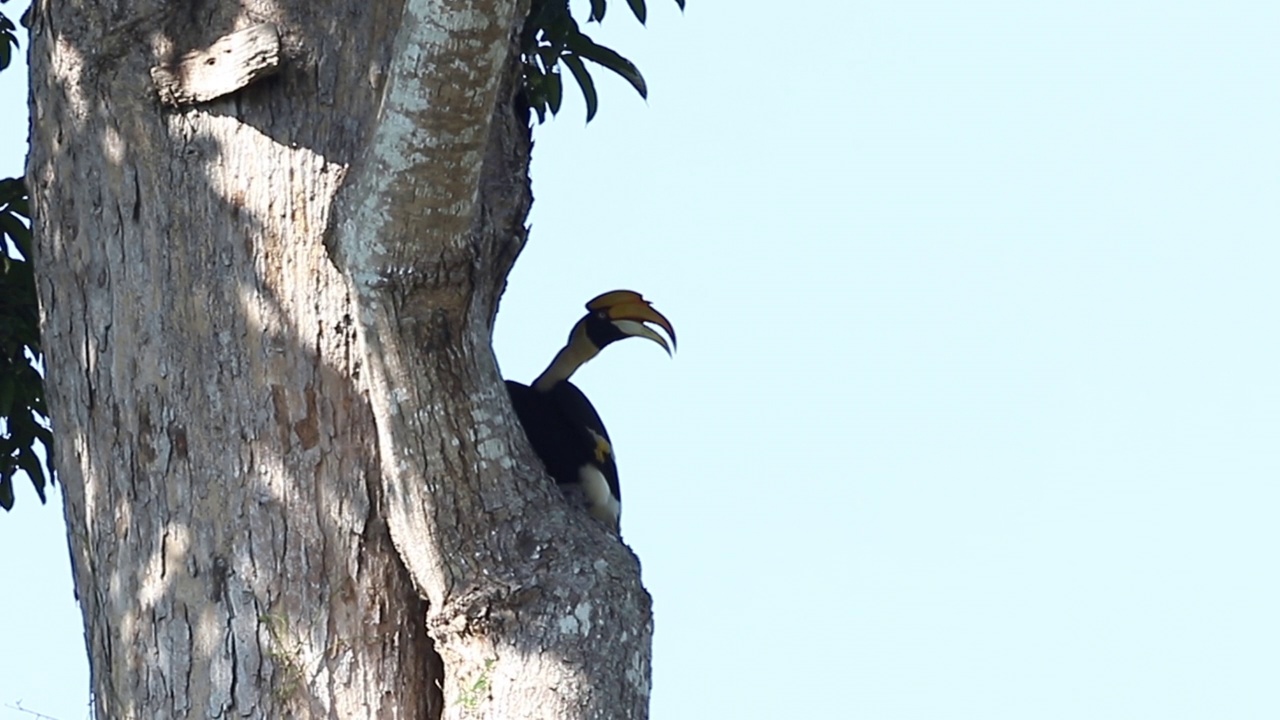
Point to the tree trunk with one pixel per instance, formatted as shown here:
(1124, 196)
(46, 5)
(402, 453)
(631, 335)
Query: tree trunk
(292, 473)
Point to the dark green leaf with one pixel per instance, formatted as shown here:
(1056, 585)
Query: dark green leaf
(601, 55)
(28, 461)
(6, 489)
(12, 226)
(555, 92)
(37, 405)
(21, 205)
(20, 234)
(8, 387)
(532, 75)
(637, 7)
(11, 189)
(548, 56)
(534, 81)
(19, 196)
(584, 81)
(597, 11)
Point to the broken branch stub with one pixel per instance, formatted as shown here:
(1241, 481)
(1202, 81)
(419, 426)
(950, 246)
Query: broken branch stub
(229, 64)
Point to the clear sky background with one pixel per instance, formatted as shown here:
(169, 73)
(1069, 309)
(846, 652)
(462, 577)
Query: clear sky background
(976, 412)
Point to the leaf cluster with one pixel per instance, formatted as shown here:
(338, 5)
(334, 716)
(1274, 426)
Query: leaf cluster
(8, 40)
(551, 40)
(24, 417)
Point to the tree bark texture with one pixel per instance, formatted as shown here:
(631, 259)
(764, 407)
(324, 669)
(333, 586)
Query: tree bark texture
(292, 474)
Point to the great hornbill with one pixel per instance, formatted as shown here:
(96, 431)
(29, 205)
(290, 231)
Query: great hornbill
(562, 426)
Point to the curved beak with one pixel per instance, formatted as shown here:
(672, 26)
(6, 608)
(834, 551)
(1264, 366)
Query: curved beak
(629, 312)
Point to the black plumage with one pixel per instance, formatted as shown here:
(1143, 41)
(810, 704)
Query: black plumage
(554, 421)
(563, 427)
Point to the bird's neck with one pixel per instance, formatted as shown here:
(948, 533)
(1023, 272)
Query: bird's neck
(566, 362)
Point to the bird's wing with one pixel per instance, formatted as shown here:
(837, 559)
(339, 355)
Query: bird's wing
(582, 414)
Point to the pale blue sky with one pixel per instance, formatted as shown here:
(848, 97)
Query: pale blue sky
(976, 412)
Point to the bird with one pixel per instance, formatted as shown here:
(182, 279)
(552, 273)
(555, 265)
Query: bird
(563, 427)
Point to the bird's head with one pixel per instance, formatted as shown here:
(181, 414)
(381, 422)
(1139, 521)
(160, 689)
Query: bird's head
(621, 314)
(610, 317)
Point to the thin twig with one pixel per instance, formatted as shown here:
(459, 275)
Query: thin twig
(37, 715)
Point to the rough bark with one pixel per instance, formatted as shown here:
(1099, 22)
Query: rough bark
(290, 464)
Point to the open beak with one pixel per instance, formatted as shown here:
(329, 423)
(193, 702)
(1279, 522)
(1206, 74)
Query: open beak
(629, 312)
